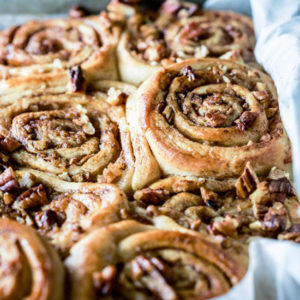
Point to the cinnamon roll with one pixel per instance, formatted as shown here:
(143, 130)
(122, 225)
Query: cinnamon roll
(45, 47)
(229, 211)
(29, 267)
(80, 137)
(209, 118)
(179, 31)
(128, 260)
(61, 211)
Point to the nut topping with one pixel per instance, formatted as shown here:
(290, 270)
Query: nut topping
(189, 73)
(276, 219)
(246, 120)
(150, 196)
(33, 197)
(8, 144)
(77, 79)
(46, 219)
(281, 185)
(247, 182)
(8, 180)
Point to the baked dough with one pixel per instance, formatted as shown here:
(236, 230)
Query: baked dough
(209, 117)
(30, 268)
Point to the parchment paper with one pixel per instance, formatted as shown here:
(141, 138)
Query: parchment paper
(274, 270)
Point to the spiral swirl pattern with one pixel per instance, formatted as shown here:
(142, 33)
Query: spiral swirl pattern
(74, 136)
(30, 268)
(181, 31)
(49, 46)
(209, 117)
(61, 211)
(142, 261)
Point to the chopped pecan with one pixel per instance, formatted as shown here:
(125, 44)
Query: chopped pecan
(275, 220)
(104, 281)
(260, 95)
(247, 182)
(216, 98)
(150, 196)
(155, 268)
(228, 227)
(192, 31)
(8, 144)
(33, 197)
(8, 180)
(171, 7)
(77, 12)
(8, 199)
(292, 234)
(281, 185)
(46, 219)
(216, 119)
(210, 198)
(246, 120)
(189, 73)
(78, 83)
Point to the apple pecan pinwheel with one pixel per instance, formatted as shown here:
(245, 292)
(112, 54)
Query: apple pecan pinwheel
(179, 31)
(129, 260)
(209, 117)
(44, 48)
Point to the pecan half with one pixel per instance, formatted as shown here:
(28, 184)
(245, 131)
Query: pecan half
(78, 83)
(8, 180)
(155, 268)
(189, 73)
(8, 144)
(275, 220)
(246, 120)
(33, 197)
(281, 185)
(247, 182)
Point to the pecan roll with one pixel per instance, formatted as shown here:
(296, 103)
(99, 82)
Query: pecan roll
(75, 136)
(42, 48)
(229, 211)
(29, 267)
(128, 260)
(209, 118)
(179, 31)
(62, 211)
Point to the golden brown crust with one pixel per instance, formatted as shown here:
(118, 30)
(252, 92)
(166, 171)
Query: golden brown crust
(30, 268)
(148, 261)
(180, 31)
(80, 137)
(41, 47)
(61, 211)
(209, 118)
